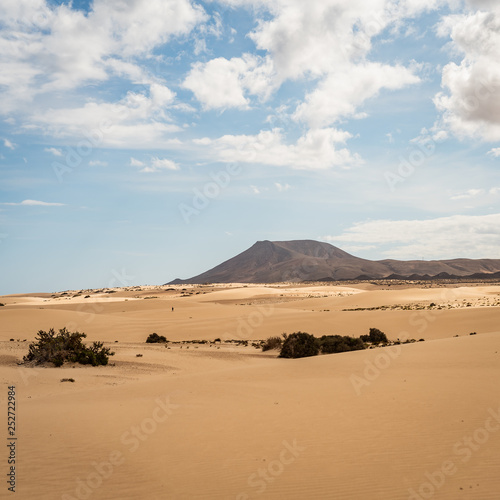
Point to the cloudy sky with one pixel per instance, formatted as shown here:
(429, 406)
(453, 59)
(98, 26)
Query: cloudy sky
(144, 140)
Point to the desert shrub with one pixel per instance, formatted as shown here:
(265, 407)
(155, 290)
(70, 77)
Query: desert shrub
(1, 304)
(272, 343)
(330, 344)
(66, 346)
(375, 337)
(299, 345)
(67, 380)
(154, 338)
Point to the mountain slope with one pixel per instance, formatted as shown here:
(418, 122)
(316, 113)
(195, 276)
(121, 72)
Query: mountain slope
(302, 260)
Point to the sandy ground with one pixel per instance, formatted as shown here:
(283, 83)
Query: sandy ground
(222, 421)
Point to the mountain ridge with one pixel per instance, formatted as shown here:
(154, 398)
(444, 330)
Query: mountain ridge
(309, 260)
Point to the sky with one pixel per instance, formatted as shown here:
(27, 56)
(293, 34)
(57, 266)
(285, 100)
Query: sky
(146, 140)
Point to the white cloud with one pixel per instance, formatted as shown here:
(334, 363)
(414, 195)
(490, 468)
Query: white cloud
(136, 163)
(36, 203)
(313, 38)
(9, 144)
(470, 104)
(473, 236)
(155, 165)
(137, 120)
(315, 150)
(214, 29)
(223, 83)
(46, 47)
(346, 88)
(495, 152)
(327, 39)
(98, 163)
(467, 195)
(282, 187)
(54, 151)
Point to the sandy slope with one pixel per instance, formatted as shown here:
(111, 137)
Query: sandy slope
(235, 423)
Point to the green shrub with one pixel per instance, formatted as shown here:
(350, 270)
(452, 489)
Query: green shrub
(66, 346)
(299, 345)
(272, 343)
(375, 337)
(154, 338)
(330, 344)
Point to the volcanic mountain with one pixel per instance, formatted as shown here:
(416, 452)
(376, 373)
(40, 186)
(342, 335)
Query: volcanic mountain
(308, 260)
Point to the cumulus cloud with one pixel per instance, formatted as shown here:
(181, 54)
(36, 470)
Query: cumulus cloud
(224, 83)
(470, 103)
(155, 165)
(137, 120)
(315, 150)
(345, 89)
(495, 152)
(54, 151)
(96, 45)
(473, 236)
(328, 40)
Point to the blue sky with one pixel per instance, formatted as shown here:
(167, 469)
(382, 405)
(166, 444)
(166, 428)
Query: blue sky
(145, 140)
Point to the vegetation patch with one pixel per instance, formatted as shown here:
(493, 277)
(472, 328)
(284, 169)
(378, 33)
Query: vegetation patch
(375, 337)
(272, 343)
(299, 345)
(66, 346)
(331, 344)
(154, 338)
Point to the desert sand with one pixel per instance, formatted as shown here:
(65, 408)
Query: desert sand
(224, 420)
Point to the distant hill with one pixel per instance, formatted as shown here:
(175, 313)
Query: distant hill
(308, 260)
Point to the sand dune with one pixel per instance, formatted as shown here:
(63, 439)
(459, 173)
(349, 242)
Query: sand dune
(218, 421)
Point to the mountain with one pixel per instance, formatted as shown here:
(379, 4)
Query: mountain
(308, 260)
